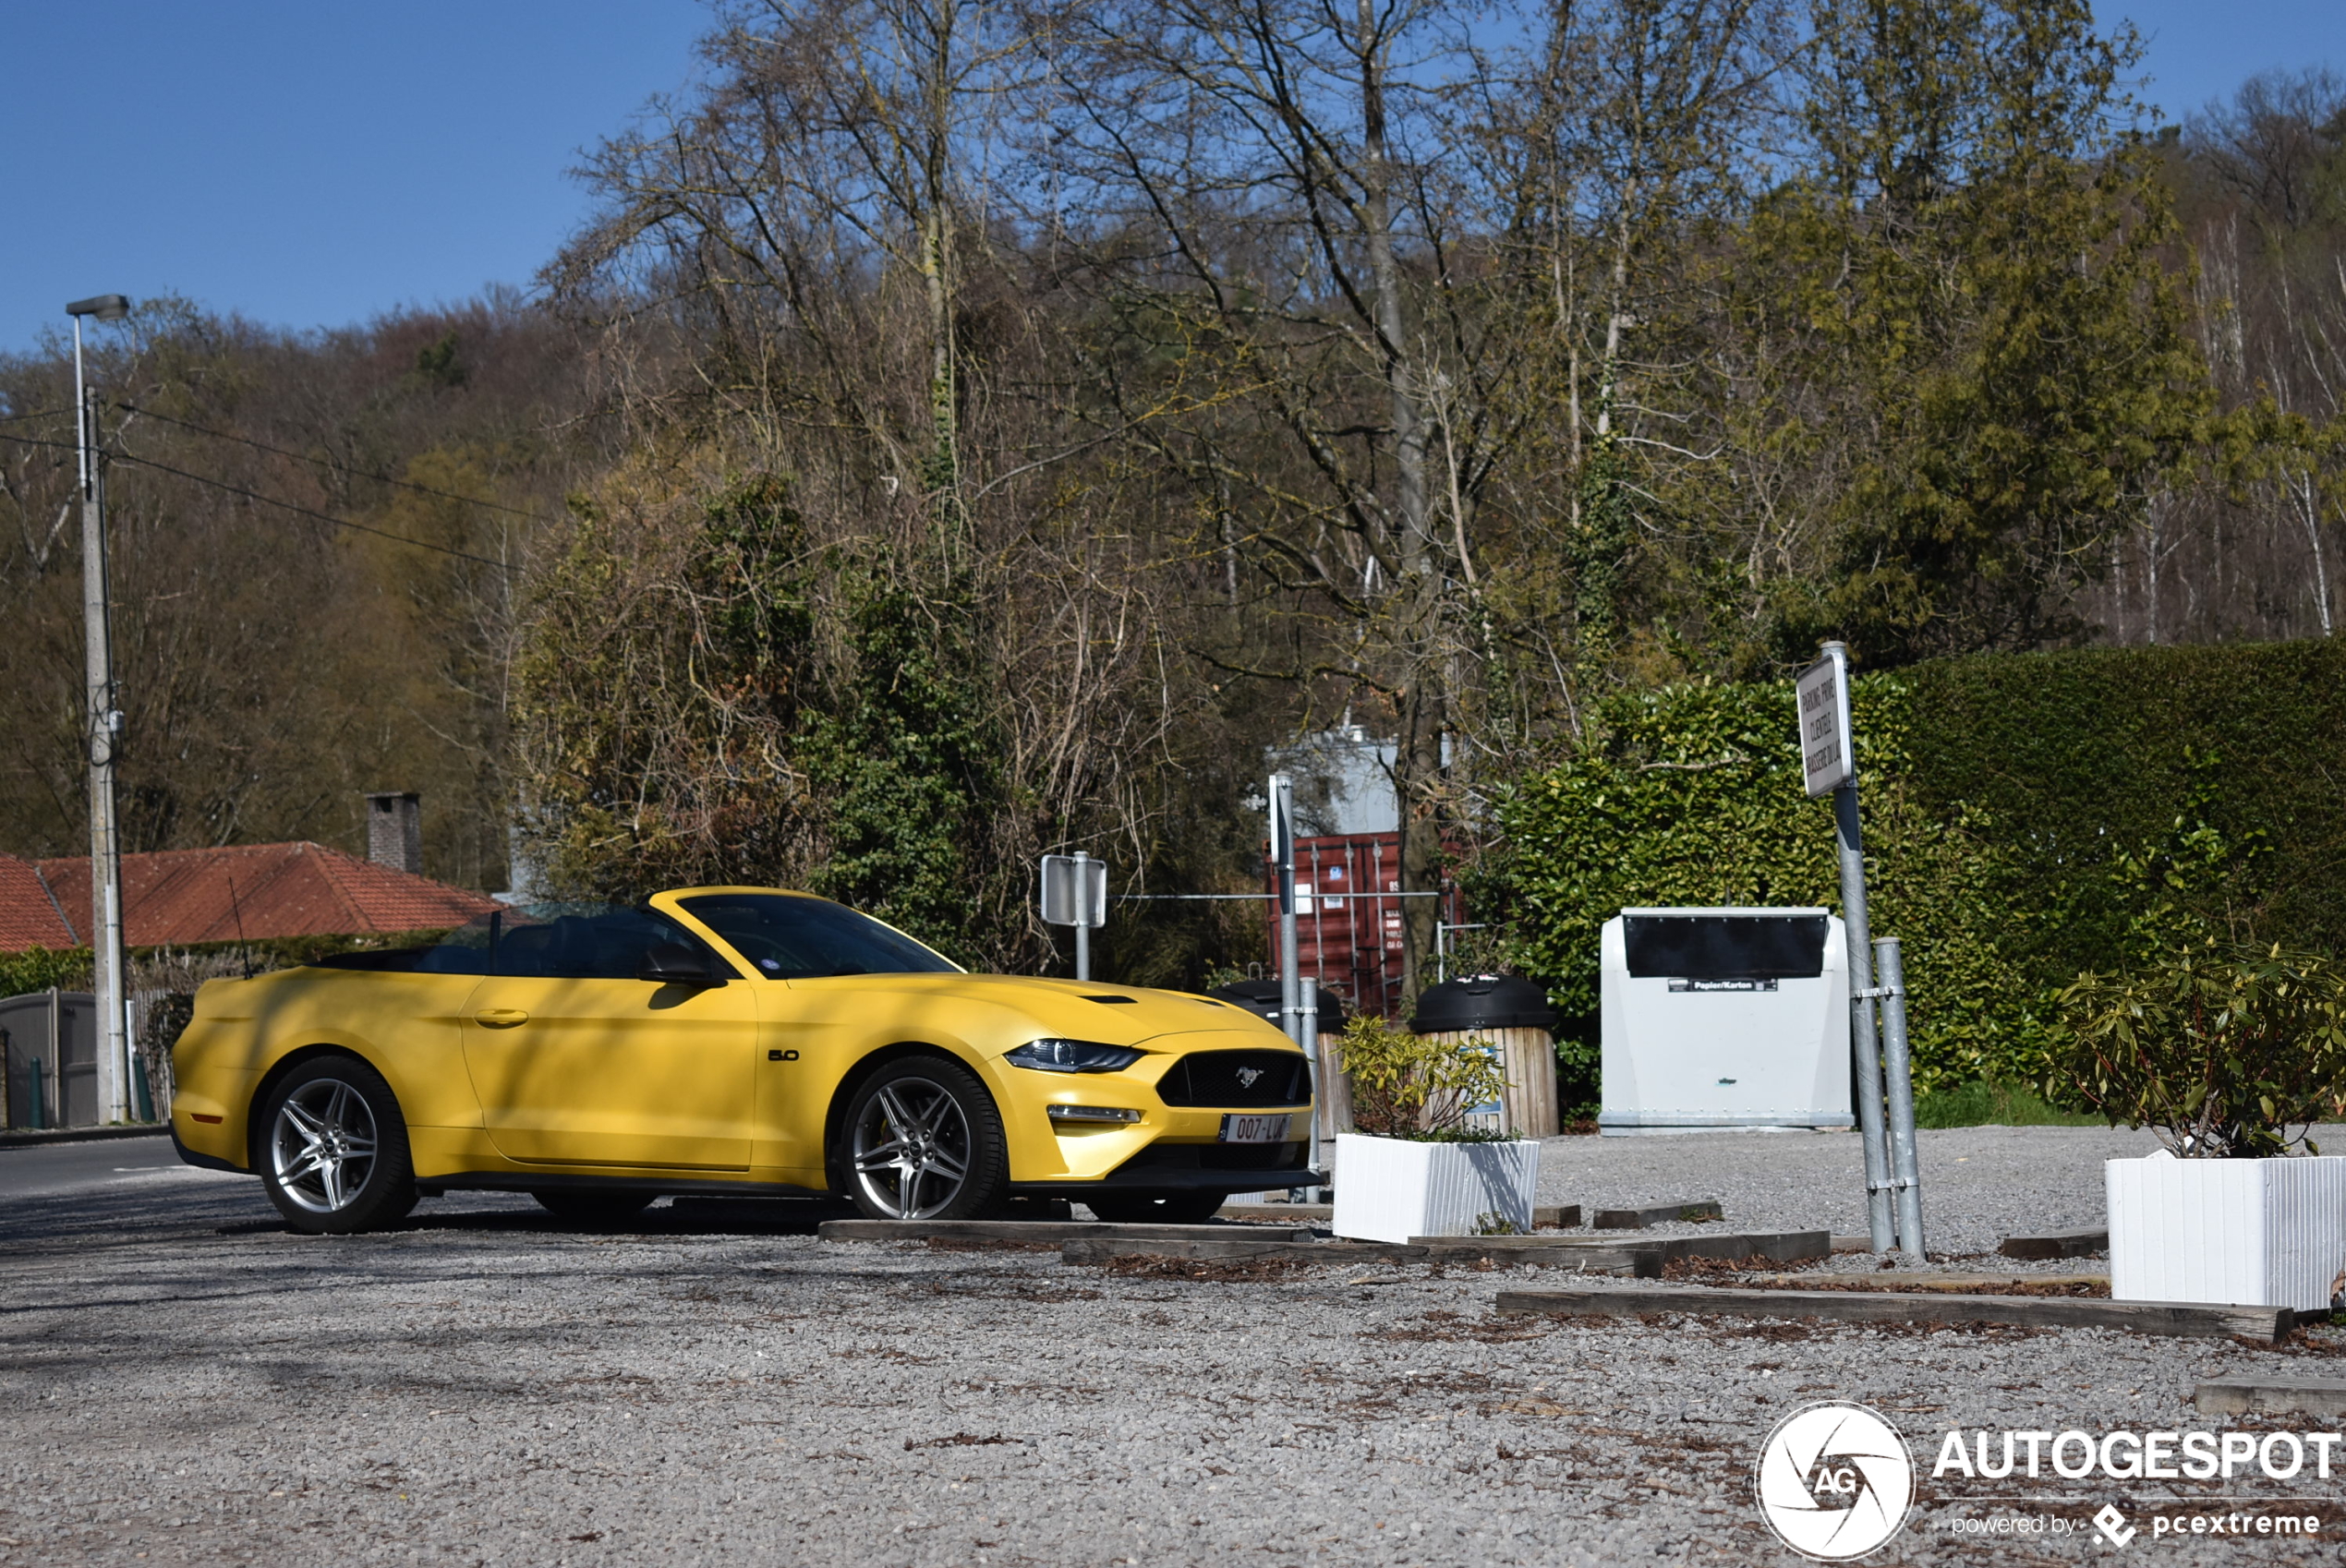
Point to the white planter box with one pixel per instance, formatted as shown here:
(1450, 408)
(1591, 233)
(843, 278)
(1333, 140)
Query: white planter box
(2250, 1233)
(1392, 1189)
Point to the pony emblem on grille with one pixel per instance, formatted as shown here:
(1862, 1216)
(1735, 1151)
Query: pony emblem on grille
(1247, 1076)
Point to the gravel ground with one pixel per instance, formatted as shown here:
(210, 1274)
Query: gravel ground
(1979, 1184)
(184, 1382)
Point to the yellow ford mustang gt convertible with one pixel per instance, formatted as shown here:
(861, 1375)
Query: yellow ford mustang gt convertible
(733, 1039)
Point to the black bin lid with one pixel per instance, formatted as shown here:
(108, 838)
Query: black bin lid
(1261, 998)
(1483, 1001)
(1725, 945)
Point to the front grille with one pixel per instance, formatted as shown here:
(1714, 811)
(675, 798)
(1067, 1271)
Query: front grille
(1222, 1078)
(1216, 1157)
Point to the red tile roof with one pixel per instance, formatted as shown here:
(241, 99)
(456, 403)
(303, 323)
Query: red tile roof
(29, 917)
(179, 896)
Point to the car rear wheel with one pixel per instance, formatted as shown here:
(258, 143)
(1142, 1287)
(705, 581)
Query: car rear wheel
(594, 1205)
(333, 1150)
(924, 1142)
(1157, 1208)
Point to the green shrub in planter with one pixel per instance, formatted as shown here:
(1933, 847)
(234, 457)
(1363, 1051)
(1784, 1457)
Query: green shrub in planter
(2228, 1052)
(1408, 1085)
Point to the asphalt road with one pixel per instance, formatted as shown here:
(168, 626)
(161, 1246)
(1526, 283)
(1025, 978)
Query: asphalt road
(184, 1381)
(51, 1170)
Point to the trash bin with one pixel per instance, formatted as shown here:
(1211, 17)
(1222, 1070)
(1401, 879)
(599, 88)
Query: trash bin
(1261, 998)
(1512, 1014)
(1724, 1018)
(51, 1044)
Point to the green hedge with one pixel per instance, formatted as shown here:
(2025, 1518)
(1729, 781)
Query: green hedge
(2027, 817)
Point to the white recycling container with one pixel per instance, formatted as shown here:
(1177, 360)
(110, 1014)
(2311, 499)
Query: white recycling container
(1724, 1018)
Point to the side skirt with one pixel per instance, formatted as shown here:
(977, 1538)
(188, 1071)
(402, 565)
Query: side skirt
(529, 1181)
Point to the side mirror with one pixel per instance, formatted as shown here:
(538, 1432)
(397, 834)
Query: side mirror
(673, 963)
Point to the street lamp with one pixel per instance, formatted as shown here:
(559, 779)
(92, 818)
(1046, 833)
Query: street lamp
(103, 726)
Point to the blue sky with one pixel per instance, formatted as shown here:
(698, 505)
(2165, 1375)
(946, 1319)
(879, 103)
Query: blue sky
(313, 165)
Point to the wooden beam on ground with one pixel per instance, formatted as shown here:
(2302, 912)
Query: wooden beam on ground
(2239, 1396)
(1626, 1262)
(1776, 1247)
(2057, 1244)
(1740, 1247)
(1031, 1231)
(1563, 1216)
(2186, 1319)
(1692, 1209)
(1948, 1285)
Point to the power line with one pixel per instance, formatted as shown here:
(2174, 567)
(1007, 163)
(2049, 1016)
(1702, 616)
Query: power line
(330, 463)
(36, 413)
(272, 501)
(306, 512)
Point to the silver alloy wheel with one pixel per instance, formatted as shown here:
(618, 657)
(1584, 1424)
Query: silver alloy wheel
(322, 1148)
(911, 1148)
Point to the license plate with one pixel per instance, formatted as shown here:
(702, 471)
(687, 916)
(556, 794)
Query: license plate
(1254, 1129)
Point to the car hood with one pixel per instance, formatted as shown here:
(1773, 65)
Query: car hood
(1069, 1009)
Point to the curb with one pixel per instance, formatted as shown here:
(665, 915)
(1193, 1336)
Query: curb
(27, 1139)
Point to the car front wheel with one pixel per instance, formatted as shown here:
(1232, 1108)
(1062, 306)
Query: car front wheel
(924, 1142)
(333, 1149)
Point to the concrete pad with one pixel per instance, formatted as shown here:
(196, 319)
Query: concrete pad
(2312, 1396)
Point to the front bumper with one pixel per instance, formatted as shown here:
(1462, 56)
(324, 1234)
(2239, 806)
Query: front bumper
(1190, 1167)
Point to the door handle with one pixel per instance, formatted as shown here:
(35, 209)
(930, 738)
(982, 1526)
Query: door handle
(499, 1018)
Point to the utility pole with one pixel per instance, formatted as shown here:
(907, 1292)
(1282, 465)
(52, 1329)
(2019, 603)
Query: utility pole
(103, 725)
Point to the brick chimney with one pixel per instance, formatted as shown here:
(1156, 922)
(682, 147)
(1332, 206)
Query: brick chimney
(395, 831)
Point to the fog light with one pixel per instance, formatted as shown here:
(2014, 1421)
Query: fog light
(1092, 1113)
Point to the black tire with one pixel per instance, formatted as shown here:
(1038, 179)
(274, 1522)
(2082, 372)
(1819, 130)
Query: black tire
(1157, 1208)
(922, 1140)
(332, 1149)
(593, 1205)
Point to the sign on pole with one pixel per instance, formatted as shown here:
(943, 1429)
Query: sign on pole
(1074, 890)
(1826, 757)
(1075, 893)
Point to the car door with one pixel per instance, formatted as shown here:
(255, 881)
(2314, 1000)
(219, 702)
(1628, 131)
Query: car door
(577, 1062)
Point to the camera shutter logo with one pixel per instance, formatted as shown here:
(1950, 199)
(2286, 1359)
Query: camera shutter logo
(1834, 1481)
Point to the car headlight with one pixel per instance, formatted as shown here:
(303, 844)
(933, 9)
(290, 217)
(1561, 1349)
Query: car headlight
(1072, 1056)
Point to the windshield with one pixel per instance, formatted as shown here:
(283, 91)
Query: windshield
(791, 937)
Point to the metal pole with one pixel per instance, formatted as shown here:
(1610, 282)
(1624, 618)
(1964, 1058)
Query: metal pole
(1905, 1165)
(1082, 920)
(1299, 1024)
(1283, 867)
(104, 721)
(1862, 1040)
